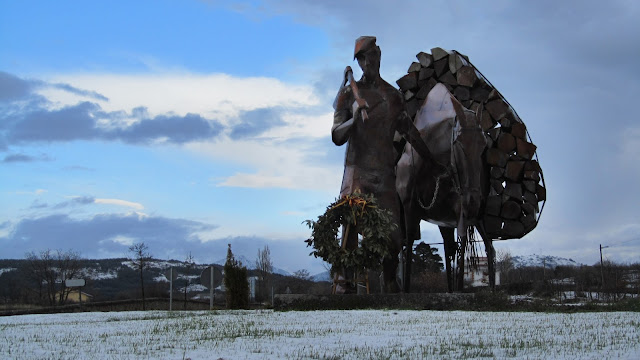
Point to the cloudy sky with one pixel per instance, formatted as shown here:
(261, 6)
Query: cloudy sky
(192, 124)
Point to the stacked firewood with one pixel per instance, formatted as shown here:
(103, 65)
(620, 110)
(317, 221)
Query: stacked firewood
(516, 183)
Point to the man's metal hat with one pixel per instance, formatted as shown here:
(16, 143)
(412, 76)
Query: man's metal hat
(364, 43)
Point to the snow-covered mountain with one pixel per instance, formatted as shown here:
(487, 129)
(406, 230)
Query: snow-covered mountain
(550, 262)
(323, 276)
(251, 264)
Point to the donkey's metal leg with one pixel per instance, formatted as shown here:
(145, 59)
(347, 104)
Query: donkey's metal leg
(449, 253)
(459, 280)
(491, 256)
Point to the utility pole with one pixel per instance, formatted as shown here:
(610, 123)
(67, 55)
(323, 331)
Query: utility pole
(602, 267)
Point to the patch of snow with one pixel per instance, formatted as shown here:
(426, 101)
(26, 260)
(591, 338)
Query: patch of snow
(191, 277)
(353, 334)
(94, 274)
(566, 281)
(535, 260)
(193, 288)
(161, 264)
(2, 271)
(521, 298)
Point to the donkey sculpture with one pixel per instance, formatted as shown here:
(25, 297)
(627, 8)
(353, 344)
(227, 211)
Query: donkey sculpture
(452, 195)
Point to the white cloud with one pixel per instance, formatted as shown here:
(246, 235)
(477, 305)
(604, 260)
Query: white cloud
(120, 203)
(301, 125)
(274, 164)
(258, 181)
(210, 95)
(123, 240)
(221, 97)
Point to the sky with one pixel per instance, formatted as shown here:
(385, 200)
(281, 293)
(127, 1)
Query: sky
(189, 125)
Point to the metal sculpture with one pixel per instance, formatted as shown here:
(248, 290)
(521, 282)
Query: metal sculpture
(462, 169)
(495, 189)
(368, 113)
(452, 196)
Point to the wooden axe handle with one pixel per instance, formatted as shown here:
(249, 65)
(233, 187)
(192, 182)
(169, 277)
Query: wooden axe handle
(356, 92)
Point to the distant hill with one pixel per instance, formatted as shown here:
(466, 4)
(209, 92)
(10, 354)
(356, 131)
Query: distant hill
(324, 276)
(550, 262)
(251, 265)
(109, 279)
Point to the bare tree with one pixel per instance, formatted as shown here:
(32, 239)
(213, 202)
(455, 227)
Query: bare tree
(189, 263)
(504, 264)
(265, 269)
(49, 270)
(140, 257)
(302, 274)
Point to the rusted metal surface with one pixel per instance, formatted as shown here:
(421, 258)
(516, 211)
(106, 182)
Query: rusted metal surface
(461, 169)
(454, 195)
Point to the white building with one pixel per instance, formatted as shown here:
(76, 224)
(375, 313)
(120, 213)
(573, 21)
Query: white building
(478, 275)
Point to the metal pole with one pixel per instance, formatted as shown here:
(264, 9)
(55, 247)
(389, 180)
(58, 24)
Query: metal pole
(170, 288)
(601, 269)
(211, 290)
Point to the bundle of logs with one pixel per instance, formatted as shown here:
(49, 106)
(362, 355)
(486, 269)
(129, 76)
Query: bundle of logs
(516, 182)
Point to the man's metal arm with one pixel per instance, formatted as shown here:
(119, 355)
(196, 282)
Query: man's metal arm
(340, 129)
(343, 118)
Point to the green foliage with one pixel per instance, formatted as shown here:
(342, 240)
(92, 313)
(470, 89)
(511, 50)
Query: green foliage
(362, 212)
(235, 283)
(426, 259)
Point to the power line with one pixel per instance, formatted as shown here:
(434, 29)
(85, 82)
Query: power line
(623, 242)
(474, 241)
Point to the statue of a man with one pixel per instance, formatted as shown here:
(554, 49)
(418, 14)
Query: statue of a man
(370, 158)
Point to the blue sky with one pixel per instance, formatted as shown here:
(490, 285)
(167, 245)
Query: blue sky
(193, 124)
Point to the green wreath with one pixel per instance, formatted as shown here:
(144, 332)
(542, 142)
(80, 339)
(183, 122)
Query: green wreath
(362, 212)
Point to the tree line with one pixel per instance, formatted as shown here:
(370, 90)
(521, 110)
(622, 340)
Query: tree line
(608, 281)
(40, 278)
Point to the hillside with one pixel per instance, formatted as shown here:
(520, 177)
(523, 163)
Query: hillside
(251, 265)
(118, 279)
(548, 261)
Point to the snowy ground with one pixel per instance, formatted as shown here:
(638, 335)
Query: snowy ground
(371, 334)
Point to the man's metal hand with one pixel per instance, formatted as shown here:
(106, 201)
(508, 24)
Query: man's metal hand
(358, 107)
(362, 104)
(345, 75)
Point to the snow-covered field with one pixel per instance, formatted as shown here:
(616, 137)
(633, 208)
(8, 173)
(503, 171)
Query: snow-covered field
(370, 334)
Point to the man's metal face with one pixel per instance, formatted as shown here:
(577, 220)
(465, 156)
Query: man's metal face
(369, 62)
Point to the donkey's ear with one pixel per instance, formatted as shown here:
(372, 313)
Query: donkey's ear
(459, 109)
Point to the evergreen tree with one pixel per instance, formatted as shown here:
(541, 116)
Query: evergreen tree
(236, 283)
(426, 259)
